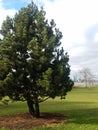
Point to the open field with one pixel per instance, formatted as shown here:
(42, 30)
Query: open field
(80, 106)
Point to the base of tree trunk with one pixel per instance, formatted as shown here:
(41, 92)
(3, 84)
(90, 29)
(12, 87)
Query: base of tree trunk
(33, 108)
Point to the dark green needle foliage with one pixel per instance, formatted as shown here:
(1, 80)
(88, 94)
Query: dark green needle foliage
(33, 67)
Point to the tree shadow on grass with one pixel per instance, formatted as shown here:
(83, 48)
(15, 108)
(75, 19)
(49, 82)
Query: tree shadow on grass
(82, 115)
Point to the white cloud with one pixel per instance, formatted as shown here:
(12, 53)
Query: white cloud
(96, 37)
(5, 12)
(76, 18)
(27, 1)
(72, 16)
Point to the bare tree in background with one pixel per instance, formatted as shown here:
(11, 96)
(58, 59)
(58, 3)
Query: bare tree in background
(75, 77)
(86, 76)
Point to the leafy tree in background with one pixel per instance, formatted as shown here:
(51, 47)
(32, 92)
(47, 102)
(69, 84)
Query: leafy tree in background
(33, 67)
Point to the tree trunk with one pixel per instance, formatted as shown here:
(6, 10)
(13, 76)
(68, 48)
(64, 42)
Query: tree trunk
(31, 107)
(37, 111)
(34, 107)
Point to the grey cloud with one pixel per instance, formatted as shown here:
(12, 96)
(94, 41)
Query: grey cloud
(89, 57)
(91, 32)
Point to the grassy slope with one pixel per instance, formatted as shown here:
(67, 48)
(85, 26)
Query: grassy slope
(80, 105)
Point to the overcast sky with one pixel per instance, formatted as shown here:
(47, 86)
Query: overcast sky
(78, 22)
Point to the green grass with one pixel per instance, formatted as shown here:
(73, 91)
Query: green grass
(12, 108)
(80, 106)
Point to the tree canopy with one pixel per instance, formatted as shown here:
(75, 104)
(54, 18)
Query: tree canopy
(33, 67)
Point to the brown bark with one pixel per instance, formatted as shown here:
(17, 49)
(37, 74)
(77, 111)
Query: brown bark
(37, 111)
(34, 107)
(31, 107)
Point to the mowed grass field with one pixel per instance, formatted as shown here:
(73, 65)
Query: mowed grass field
(80, 107)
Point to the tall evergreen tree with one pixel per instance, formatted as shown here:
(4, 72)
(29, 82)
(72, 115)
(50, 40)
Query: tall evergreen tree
(33, 67)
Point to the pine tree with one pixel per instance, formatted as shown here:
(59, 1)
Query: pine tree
(33, 66)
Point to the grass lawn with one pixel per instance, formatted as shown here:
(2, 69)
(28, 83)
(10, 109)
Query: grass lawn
(80, 106)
